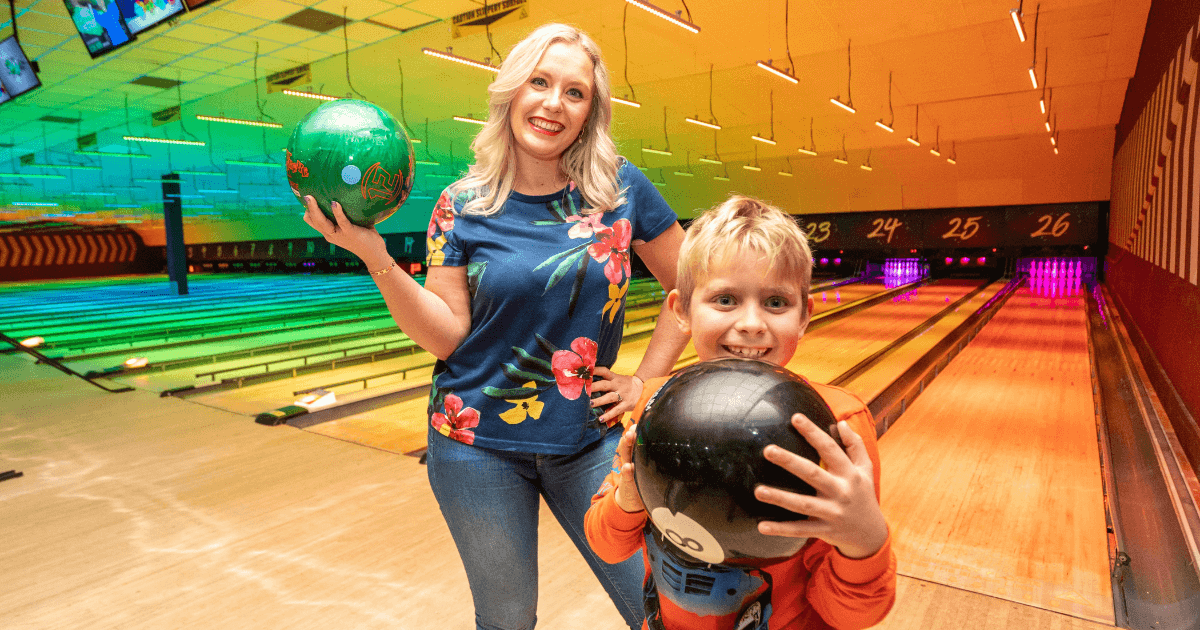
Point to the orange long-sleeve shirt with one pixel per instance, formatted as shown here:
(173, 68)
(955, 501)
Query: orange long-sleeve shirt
(818, 588)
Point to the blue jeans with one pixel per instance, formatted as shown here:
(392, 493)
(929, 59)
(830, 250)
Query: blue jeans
(490, 502)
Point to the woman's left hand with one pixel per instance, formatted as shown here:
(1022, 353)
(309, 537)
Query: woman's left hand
(618, 390)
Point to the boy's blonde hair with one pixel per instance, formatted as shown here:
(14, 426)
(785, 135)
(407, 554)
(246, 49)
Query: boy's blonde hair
(743, 224)
(591, 161)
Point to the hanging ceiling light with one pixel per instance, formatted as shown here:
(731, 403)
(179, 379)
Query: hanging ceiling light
(813, 146)
(468, 119)
(192, 143)
(632, 100)
(788, 173)
(712, 121)
(783, 74)
(915, 139)
(1033, 66)
(1017, 15)
(879, 123)
(450, 56)
(239, 121)
(312, 95)
(667, 149)
(756, 167)
(937, 142)
(845, 157)
(674, 19)
(849, 104)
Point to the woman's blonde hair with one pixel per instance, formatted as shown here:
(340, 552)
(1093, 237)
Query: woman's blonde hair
(743, 224)
(591, 161)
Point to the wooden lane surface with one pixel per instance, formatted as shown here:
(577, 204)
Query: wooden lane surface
(992, 480)
(922, 605)
(827, 299)
(871, 383)
(140, 512)
(828, 351)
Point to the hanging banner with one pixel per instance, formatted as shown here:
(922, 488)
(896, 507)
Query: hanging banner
(479, 20)
(85, 142)
(164, 116)
(300, 75)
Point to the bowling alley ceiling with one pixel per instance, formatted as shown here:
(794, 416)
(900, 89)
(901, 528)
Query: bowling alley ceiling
(952, 75)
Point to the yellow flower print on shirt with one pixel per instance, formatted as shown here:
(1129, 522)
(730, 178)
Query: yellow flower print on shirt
(615, 294)
(524, 408)
(434, 248)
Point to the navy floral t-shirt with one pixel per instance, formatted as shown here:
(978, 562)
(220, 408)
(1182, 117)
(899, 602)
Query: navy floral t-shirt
(547, 287)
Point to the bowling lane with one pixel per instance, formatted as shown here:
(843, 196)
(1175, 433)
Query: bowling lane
(871, 383)
(828, 351)
(825, 299)
(991, 478)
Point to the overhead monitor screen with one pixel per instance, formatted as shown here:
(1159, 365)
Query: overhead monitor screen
(99, 24)
(16, 76)
(142, 14)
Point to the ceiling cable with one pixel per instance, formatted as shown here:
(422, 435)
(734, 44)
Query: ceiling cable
(891, 112)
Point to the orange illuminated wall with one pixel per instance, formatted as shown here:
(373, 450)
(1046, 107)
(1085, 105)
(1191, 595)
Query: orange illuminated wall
(1153, 264)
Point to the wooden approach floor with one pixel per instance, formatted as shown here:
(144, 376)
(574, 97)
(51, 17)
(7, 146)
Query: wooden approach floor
(142, 512)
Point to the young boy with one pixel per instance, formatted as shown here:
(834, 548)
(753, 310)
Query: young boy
(742, 291)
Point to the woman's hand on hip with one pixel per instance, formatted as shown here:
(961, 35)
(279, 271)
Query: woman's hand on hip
(619, 390)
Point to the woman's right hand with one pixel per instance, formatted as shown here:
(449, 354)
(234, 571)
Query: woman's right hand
(627, 496)
(366, 243)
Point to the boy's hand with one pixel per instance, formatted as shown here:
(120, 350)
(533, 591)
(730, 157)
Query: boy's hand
(845, 512)
(627, 496)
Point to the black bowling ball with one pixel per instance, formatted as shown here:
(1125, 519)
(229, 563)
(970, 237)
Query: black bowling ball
(698, 456)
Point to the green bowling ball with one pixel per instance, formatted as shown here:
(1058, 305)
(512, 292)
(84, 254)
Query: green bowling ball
(354, 153)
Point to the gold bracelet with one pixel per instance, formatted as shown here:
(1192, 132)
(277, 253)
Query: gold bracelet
(385, 270)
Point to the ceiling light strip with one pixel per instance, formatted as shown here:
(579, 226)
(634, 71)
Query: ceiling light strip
(458, 59)
(29, 175)
(190, 143)
(312, 95)
(779, 73)
(625, 102)
(842, 105)
(112, 154)
(239, 121)
(703, 124)
(677, 21)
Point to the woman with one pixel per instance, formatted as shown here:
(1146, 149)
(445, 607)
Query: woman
(523, 305)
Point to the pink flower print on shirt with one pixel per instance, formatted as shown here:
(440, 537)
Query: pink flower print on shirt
(613, 246)
(456, 422)
(585, 225)
(573, 368)
(443, 216)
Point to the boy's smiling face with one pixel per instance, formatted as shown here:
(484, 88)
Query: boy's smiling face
(744, 308)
